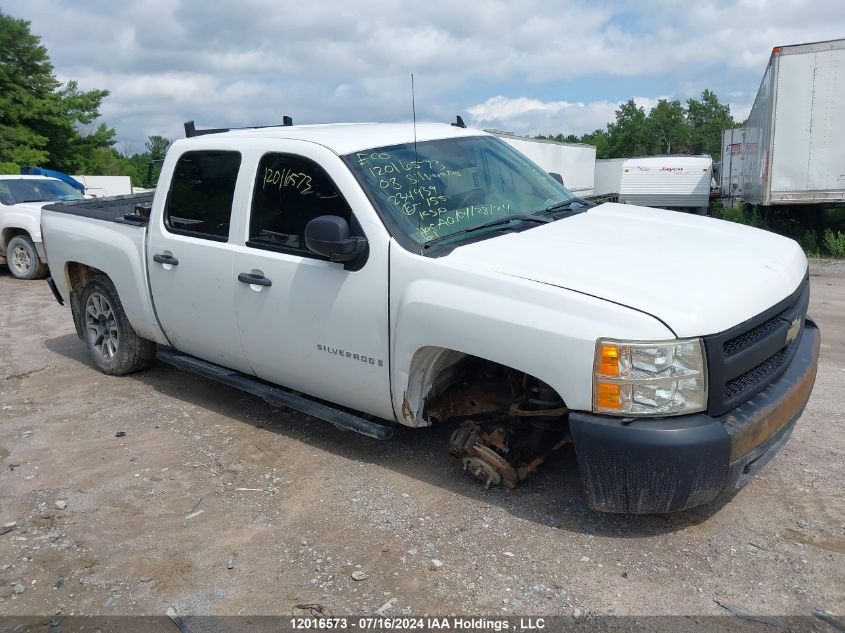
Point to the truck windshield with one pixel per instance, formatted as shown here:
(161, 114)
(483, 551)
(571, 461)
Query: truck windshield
(37, 190)
(445, 190)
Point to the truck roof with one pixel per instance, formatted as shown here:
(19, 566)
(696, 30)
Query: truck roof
(345, 138)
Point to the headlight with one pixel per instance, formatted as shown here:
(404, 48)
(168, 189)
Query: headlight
(656, 378)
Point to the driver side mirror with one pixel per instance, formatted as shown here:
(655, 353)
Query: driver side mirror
(328, 235)
(556, 176)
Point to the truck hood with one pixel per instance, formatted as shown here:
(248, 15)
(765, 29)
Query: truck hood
(698, 275)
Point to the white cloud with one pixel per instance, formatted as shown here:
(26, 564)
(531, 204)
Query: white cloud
(522, 115)
(532, 116)
(252, 61)
(740, 111)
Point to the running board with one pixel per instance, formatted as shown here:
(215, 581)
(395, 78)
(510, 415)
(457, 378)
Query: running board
(275, 395)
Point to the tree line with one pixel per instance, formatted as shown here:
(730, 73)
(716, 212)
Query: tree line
(670, 127)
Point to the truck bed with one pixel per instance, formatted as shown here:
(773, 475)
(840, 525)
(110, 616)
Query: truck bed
(112, 209)
(107, 235)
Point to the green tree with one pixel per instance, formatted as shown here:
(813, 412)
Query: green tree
(40, 119)
(629, 134)
(560, 138)
(707, 120)
(600, 139)
(136, 165)
(157, 147)
(668, 128)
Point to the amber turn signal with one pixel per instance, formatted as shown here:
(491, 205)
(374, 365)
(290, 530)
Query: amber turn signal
(608, 396)
(609, 365)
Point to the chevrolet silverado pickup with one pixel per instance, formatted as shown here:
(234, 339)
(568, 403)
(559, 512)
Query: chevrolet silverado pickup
(375, 275)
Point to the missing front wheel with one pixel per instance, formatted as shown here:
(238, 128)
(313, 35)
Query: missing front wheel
(510, 424)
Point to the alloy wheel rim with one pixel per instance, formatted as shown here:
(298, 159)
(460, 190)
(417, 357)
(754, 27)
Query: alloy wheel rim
(101, 324)
(21, 260)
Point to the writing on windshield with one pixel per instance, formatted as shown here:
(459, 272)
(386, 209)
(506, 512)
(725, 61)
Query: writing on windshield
(423, 190)
(437, 188)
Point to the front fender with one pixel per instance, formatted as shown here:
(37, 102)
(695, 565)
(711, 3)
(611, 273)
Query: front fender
(20, 220)
(547, 332)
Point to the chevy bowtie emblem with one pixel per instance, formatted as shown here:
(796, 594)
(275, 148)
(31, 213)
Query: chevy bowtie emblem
(792, 332)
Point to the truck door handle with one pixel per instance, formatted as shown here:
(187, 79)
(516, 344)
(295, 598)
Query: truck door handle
(254, 280)
(165, 259)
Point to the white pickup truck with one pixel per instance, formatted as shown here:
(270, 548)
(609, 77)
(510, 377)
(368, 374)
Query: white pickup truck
(21, 200)
(374, 275)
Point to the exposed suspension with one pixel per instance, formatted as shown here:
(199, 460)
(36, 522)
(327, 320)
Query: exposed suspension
(510, 423)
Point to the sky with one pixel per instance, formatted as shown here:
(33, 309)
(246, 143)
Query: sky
(524, 66)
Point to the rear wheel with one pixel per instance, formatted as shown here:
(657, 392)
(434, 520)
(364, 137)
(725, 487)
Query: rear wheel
(114, 345)
(23, 260)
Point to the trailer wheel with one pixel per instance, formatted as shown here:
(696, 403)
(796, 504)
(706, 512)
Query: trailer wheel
(112, 342)
(22, 259)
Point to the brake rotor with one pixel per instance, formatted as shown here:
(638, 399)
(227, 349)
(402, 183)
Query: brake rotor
(482, 471)
(507, 472)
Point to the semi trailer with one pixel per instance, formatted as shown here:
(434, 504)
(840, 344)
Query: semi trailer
(793, 151)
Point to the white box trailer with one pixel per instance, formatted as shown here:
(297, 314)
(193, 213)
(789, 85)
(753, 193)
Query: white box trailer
(575, 162)
(608, 176)
(734, 154)
(795, 133)
(668, 182)
(104, 186)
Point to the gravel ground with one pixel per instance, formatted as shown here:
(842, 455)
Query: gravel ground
(216, 503)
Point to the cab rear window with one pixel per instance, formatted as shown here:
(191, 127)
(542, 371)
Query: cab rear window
(201, 193)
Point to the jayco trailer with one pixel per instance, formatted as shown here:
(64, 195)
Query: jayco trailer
(670, 182)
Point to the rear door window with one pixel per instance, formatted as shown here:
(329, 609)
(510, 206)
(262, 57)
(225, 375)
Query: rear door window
(201, 193)
(290, 191)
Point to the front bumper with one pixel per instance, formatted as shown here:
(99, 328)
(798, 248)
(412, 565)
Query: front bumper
(642, 466)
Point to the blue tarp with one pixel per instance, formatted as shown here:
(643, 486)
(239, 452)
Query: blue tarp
(38, 171)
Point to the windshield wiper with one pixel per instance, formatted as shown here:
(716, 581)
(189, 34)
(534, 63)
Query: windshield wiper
(564, 204)
(486, 225)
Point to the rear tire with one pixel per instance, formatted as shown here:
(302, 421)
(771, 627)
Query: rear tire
(112, 342)
(22, 259)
